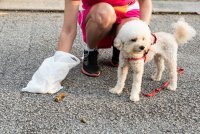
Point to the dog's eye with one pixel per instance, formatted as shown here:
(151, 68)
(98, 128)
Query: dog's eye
(143, 38)
(134, 40)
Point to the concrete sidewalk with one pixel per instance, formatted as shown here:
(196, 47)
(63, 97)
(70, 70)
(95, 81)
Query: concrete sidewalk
(159, 6)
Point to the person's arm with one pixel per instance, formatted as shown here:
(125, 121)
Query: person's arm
(69, 29)
(145, 10)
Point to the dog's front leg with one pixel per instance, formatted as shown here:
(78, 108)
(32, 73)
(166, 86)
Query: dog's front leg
(122, 73)
(138, 69)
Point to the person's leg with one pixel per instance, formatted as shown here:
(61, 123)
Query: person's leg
(99, 22)
(115, 57)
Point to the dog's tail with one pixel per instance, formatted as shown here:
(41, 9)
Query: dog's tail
(183, 32)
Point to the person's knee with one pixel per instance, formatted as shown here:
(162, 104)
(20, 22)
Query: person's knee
(103, 14)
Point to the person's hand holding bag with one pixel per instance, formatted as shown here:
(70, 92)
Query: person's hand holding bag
(47, 79)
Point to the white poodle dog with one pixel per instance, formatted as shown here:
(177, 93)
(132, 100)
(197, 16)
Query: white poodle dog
(134, 41)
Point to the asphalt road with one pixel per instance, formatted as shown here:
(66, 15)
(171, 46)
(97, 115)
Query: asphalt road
(27, 38)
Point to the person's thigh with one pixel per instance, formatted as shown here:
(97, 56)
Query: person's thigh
(104, 17)
(102, 13)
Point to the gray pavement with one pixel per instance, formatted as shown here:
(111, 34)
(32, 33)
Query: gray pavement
(26, 39)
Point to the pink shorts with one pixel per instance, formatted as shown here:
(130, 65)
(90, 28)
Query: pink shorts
(132, 10)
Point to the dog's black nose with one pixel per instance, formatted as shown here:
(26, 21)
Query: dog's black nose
(141, 47)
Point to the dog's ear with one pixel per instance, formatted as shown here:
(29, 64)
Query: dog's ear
(118, 43)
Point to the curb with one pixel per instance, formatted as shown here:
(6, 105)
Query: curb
(176, 7)
(165, 7)
(32, 5)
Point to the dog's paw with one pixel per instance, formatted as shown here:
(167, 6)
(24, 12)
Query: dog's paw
(115, 90)
(135, 98)
(171, 87)
(155, 78)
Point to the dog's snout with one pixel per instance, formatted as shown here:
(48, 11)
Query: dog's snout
(141, 47)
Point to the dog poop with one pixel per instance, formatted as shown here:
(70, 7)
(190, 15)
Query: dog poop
(59, 97)
(83, 120)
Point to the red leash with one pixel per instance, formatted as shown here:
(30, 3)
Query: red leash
(155, 91)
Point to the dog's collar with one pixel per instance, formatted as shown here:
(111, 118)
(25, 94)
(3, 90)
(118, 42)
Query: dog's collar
(141, 58)
(145, 54)
(155, 39)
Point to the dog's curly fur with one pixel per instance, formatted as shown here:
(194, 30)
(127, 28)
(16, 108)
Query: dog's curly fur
(134, 39)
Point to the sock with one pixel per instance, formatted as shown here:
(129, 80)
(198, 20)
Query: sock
(89, 49)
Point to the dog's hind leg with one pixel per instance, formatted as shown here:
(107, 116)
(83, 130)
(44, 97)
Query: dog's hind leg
(138, 69)
(160, 67)
(122, 73)
(172, 65)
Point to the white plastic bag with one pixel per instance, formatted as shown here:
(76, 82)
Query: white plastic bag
(47, 79)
